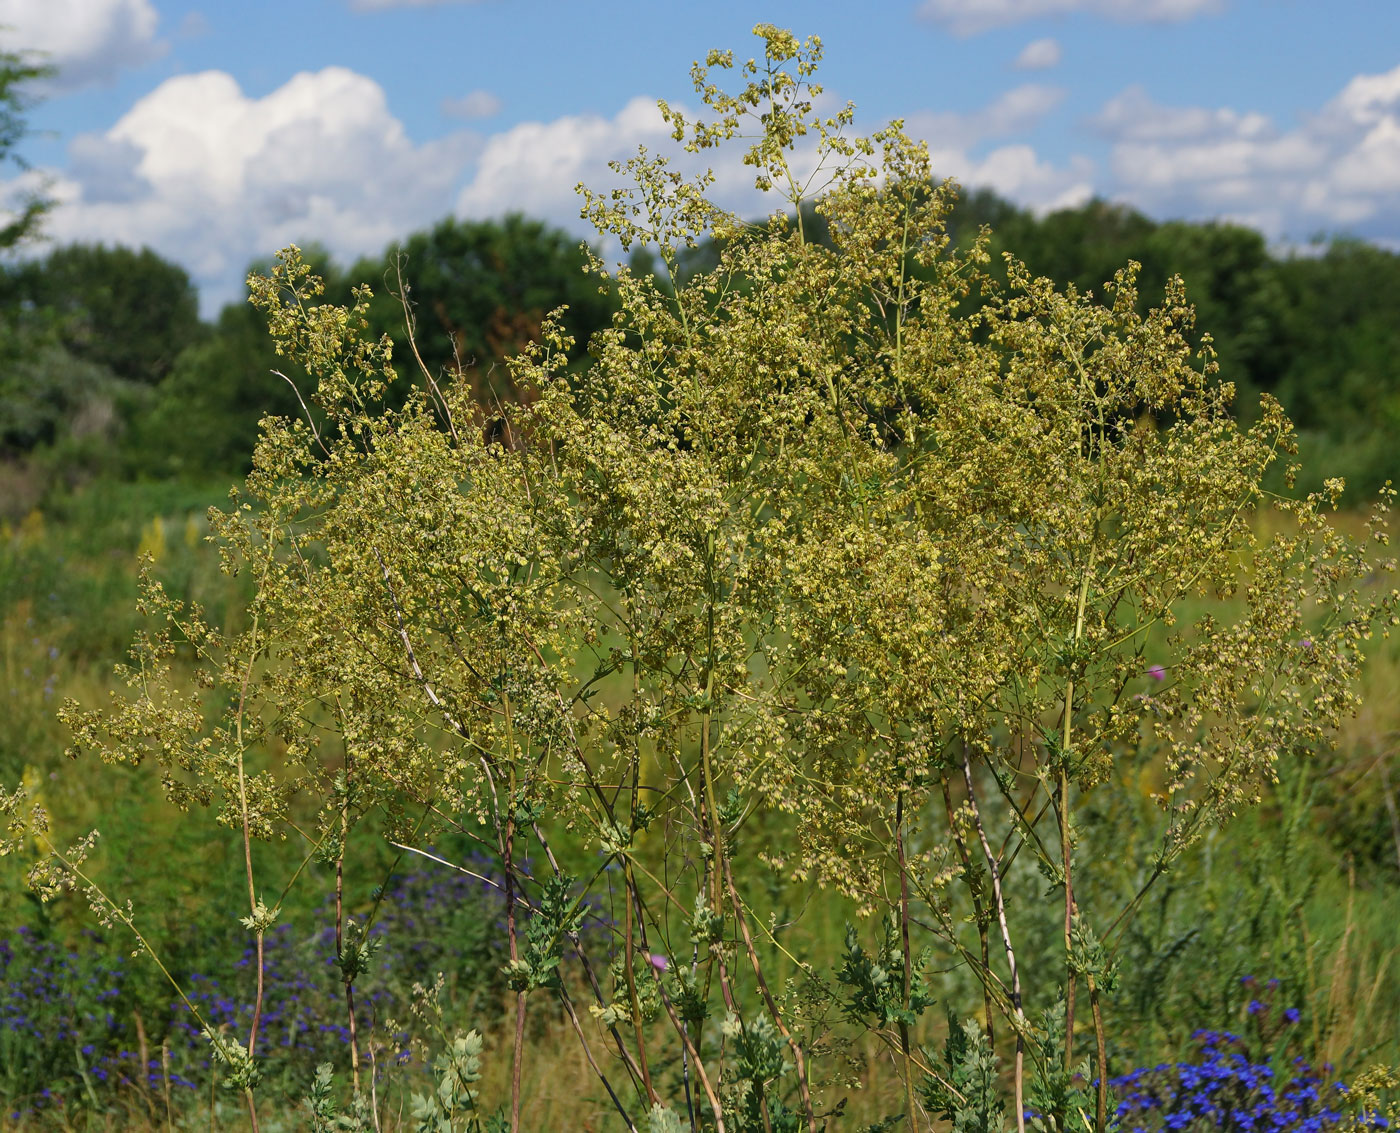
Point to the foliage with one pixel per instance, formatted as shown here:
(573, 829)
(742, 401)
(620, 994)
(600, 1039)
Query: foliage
(48, 396)
(809, 547)
(18, 72)
(478, 291)
(204, 418)
(129, 312)
(969, 1098)
(84, 335)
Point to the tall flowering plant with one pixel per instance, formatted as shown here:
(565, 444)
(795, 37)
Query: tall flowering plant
(841, 565)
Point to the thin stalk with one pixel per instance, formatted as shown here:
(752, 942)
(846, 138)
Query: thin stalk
(798, 1058)
(1018, 1019)
(93, 890)
(588, 1054)
(630, 956)
(981, 914)
(629, 966)
(518, 1050)
(248, 854)
(143, 1054)
(904, 949)
(1101, 1094)
(633, 1070)
(517, 1060)
(634, 894)
(346, 978)
(1062, 809)
(373, 1086)
(165, 1084)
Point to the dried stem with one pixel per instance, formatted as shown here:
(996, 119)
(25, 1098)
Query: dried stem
(1062, 812)
(1100, 1040)
(798, 1058)
(518, 1049)
(909, 1099)
(1018, 1019)
(984, 973)
(248, 857)
(346, 972)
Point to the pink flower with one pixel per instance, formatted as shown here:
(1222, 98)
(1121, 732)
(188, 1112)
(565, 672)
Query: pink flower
(1157, 673)
(659, 962)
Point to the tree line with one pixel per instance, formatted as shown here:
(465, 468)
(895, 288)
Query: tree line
(106, 368)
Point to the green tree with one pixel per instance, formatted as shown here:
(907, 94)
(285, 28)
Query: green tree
(1334, 353)
(46, 394)
(203, 418)
(130, 311)
(17, 71)
(480, 290)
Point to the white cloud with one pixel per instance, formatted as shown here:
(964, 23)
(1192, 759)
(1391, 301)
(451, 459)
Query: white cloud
(477, 104)
(534, 166)
(89, 41)
(1038, 55)
(1013, 169)
(1339, 167)
(1369, 98)
(968, 17)
(1014, 112)
(1132, 115)
(213, 178)
(1018, 174)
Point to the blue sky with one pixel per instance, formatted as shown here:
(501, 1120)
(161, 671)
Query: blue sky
(216, 131)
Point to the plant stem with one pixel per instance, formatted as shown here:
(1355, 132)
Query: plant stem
(1018, 1018)
(799, 1059)
(677, 1024)
(1062, 809)
(588, 1055)
(518, 1050)
(979, 911)
(1065, 858)
(904, 949)
(507, 837)
(1101, 1095)
(347, 978)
